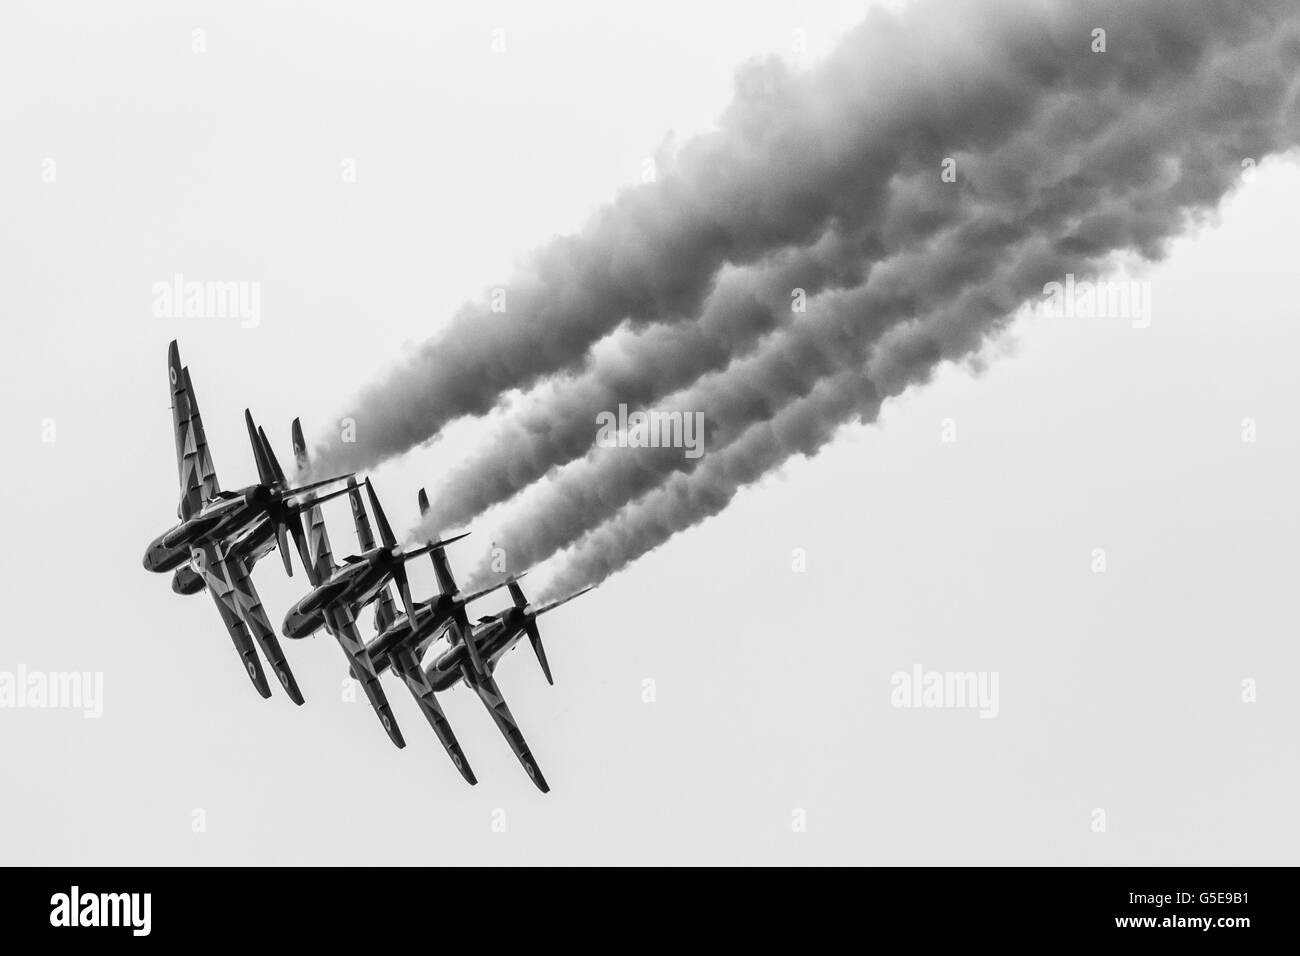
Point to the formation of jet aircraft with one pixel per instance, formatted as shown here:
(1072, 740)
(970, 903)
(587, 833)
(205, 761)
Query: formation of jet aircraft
(220, 535)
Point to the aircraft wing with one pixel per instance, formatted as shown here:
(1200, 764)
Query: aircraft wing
(340, 622)
(249, 606)
(214, 576)
(488, 691)
(207, 471)
(385, 608)
(318, 547)
(408, 668)
(198, 479)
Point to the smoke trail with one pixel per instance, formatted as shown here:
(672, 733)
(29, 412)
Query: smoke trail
(805, 426)
(1247, 106)
(756, 389)
(555, 425)
(793, 155)
(1184, 154)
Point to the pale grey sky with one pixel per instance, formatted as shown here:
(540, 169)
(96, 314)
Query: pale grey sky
(1120, 691)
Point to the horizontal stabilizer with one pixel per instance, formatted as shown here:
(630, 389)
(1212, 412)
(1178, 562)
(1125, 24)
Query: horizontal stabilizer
(304, 489)
(330, 496)
(484, 592)
(564, 600)
(535, 638)
(433, 546)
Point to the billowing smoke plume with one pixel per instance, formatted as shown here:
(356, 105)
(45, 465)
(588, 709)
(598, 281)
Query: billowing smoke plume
(555, 425)
(793, 155)
(1069, 145)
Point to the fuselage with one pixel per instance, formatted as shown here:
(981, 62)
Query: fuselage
(252, 545)
(430, 617)
(160, 558)
(224, 518)
(357, 583)
(493, 638)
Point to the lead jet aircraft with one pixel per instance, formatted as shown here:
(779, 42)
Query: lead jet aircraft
(223, 534)
(339, 618)
(206, 512)
(488, 642)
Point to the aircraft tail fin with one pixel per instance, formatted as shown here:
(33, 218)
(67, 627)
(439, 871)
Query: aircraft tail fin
(319, 557)
(397, 572)
(385, 607)
(299, 445)
(441, 567)
(360, 520)
(265, 474)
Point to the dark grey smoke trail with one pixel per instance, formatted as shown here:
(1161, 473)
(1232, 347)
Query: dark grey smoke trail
(793, 156)
(908, 354)
(837, 330)
(555, 424)
(806, 425)
(1182, 155)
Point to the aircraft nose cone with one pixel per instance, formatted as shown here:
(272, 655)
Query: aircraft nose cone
(154, 556)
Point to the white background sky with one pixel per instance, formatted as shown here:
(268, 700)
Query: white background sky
(1119, 691)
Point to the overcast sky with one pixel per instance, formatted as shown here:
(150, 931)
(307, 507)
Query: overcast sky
(129, 157)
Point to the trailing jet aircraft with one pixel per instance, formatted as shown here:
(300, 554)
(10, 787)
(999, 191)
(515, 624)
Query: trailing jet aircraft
(339, 616)
(443, 611)
(403, 657)
(360, 579)
(340, 619)
(223, 534)
(489, 641)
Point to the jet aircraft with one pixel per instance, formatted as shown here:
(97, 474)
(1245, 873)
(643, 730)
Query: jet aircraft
(444, 612)
(220, 535)
(489, 641)
(338, 614)
(359, 580)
